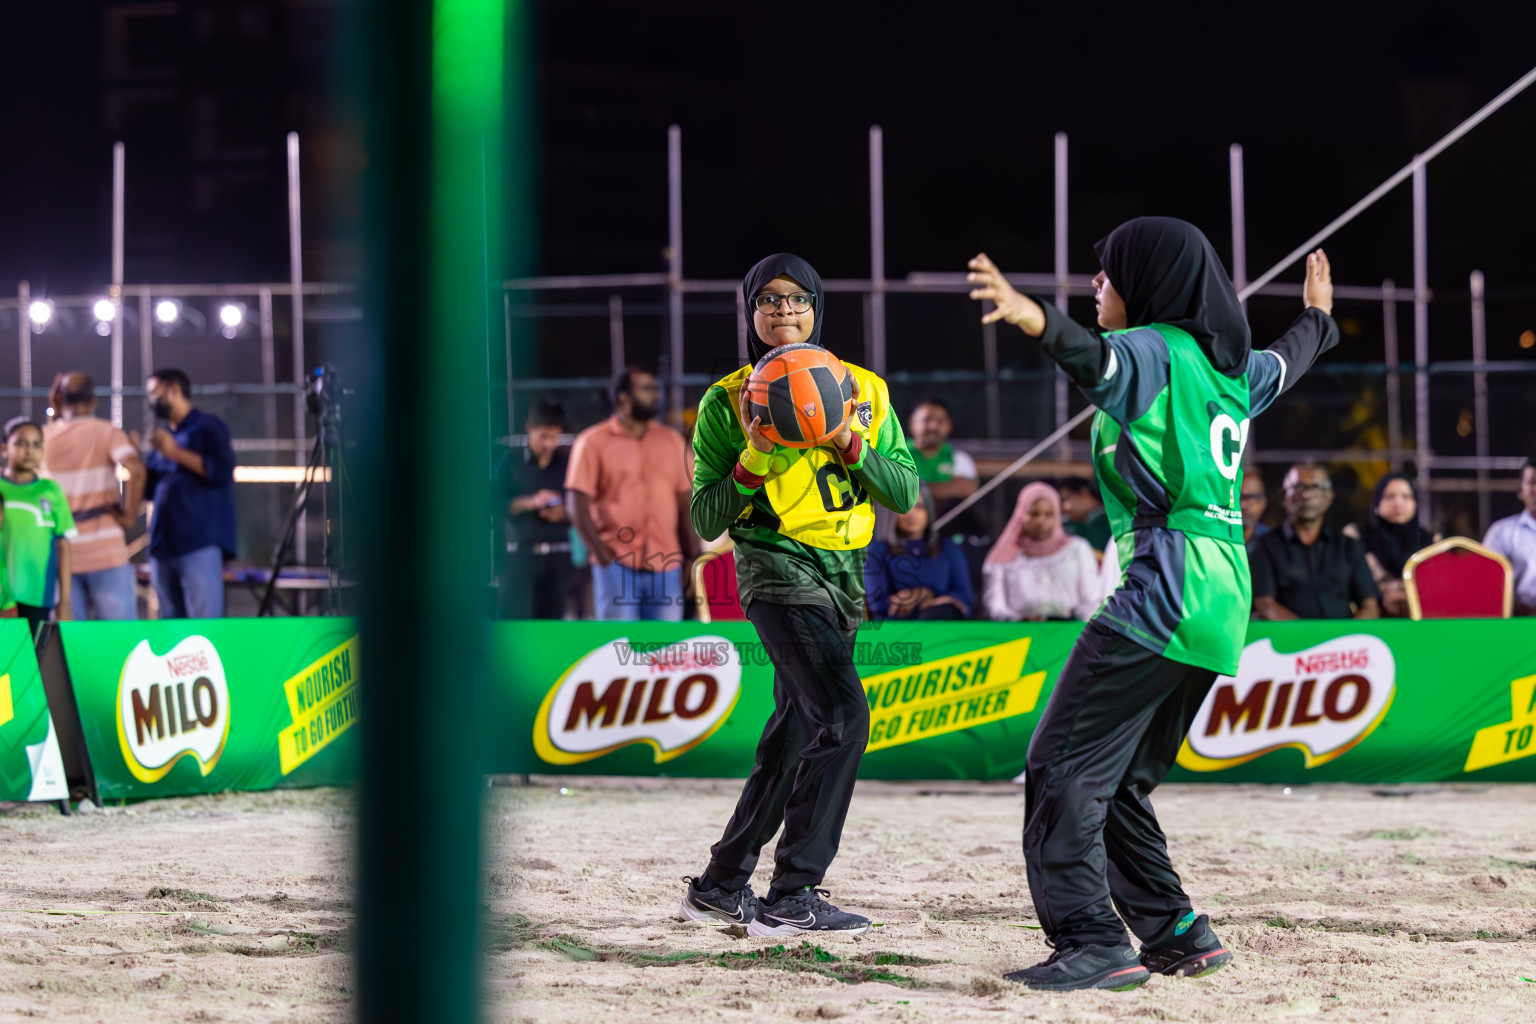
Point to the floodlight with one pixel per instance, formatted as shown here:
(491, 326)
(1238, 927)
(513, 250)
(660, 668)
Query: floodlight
(40, 312)
(167, 311)
(105, 310)
(231, 319)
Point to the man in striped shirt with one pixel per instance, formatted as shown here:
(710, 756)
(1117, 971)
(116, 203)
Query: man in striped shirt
(83, 455)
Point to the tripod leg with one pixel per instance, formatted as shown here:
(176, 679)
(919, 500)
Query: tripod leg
(300, 499)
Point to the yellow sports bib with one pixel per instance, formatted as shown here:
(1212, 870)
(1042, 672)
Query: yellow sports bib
(817, 501)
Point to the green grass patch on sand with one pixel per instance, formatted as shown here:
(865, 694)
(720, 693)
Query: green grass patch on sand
(1401, 833)
(504, 932)
(184, 895)
(897, 960)
(804, 958)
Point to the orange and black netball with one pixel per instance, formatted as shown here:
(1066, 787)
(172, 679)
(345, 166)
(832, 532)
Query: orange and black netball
(802, 393)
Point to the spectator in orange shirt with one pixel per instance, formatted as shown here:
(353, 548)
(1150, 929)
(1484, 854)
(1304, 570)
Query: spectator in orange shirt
(627, 490)
(83, 454)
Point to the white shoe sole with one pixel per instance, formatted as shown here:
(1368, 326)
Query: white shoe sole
(688, 913)
(764, 930)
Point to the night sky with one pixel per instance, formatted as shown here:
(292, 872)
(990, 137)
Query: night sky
(775, 104)
(775, 116)
(202, 92)
(969, 105)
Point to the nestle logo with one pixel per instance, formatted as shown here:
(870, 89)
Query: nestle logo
(186, 664)
(1333, 661)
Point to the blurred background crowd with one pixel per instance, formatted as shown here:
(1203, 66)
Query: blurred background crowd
(601, 527)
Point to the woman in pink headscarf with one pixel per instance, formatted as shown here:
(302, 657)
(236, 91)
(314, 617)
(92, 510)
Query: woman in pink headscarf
(1036, 571)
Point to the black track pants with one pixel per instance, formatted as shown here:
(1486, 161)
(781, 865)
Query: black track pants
(809, 754)
(1092, 845)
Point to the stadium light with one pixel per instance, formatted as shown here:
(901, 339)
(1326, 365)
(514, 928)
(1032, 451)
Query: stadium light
(40, 313)
(106, 313)
(167, 312)
(231, 317)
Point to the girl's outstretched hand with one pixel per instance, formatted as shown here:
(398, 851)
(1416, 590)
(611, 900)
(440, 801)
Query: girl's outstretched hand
(1020, 310)
(1318, 289)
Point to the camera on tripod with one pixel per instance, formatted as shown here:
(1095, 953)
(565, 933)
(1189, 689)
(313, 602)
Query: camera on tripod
(327, 468)
(322, 397)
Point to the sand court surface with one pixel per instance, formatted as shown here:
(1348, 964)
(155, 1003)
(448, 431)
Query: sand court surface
(235, 907)
(1344, 903)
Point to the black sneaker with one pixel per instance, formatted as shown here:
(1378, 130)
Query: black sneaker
(804, 910)
(717, 907)
(1193, 950)
(1072, 966)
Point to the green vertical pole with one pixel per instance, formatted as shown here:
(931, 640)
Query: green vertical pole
(433, 79)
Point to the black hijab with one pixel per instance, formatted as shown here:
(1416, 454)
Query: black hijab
(1167, 273)
(781, 264)
(1393, 543)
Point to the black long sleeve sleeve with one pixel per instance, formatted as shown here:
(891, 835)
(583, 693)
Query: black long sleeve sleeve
(1309, 336)
(1079, 351)
(1083, 352)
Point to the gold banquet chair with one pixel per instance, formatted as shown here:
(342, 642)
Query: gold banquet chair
(714, 587)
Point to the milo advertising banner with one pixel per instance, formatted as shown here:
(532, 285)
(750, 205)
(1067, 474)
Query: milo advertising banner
(30, 765)
(177, 707)
(948, 701)
(1389, 701)
(1311, 702)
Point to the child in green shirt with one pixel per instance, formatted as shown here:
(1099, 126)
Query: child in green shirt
(36, 529)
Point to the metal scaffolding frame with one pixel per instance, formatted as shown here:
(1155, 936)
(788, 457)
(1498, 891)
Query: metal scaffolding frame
(259, 294)
(1059, 283)
(145, 295)
(1062, 284)
(117, 292)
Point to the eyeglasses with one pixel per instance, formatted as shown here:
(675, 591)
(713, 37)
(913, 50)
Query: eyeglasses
(799, 302)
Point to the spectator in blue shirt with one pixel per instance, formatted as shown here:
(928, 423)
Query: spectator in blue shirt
(1515, 539)
(910, 572)
(192, 481)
